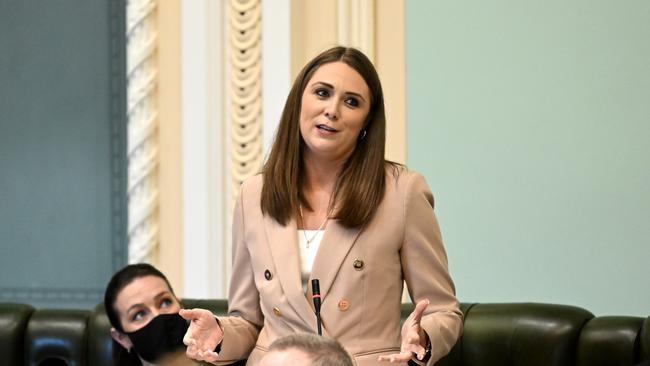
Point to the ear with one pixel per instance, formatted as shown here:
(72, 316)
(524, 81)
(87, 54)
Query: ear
(121, 338)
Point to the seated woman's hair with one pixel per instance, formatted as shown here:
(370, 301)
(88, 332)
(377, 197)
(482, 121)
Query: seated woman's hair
(118, 282)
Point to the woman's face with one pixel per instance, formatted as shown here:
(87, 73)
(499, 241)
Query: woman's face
(334, 107)
(142, 300)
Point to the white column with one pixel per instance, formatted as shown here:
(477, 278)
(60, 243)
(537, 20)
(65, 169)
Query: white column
(276, 64)
(356, 25)
(205, 163)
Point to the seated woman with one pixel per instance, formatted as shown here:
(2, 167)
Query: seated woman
(143, 312)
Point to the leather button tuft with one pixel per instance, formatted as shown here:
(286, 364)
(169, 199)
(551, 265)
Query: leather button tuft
(268, 275)
(358, 264)
(277, 311)
(344, 305)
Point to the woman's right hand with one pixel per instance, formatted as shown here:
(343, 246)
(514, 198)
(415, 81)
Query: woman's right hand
(203, 334)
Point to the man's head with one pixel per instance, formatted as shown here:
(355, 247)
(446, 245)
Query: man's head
(306, 350)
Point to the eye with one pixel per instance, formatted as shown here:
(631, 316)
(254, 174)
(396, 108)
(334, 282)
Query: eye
(352, 102)
(138, 316)
(166, 302)
(322, 92)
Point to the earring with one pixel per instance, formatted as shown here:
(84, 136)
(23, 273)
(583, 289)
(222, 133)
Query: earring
(363, 134)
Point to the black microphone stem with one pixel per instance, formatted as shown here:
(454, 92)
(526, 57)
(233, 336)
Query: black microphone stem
(320, 331)
(315, 289)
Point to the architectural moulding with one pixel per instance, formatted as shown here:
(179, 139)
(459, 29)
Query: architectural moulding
(142, 114)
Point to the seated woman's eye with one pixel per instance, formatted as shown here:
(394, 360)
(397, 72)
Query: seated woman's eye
(166, 302)
(352, 102)
(323, 93)
(138, 316)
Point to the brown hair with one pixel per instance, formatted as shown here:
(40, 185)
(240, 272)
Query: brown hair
(360, 185)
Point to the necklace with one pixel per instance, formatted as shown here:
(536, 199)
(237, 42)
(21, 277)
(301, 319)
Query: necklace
(304, 231)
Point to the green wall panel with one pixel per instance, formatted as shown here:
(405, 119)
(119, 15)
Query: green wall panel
(62, 150)
(531, 121)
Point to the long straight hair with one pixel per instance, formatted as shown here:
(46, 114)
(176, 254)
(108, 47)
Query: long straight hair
(359, 188)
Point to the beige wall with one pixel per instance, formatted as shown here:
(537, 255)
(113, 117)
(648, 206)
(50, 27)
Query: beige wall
(390, 61)
(314, 27)
(169, 256)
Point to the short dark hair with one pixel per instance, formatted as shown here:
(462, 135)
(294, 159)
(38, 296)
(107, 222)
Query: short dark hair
(322, 351)
(120, 280)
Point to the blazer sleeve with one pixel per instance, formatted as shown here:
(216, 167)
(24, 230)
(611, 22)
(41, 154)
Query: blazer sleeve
(425, 269)
(242, 325)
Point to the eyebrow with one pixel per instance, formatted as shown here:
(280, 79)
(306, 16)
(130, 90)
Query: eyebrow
(159, 295)
(332, 87)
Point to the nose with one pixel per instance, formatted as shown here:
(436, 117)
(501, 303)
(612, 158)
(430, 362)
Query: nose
(331, 111)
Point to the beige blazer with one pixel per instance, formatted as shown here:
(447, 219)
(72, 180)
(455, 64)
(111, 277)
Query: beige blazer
(361, 274)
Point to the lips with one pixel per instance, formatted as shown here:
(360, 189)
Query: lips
(326, 128)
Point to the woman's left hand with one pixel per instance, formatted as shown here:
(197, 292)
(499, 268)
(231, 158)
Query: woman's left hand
(413, 337)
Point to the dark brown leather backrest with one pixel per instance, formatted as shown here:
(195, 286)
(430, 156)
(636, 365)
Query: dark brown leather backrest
(609, 341)
(13, 324)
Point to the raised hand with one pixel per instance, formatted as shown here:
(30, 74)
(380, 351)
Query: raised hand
(203, 334)
(414, 339)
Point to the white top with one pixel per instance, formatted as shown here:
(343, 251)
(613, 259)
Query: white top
(307, 255)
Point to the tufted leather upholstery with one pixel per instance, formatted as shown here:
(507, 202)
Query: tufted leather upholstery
(522, 334)
(56, 335)
(598, 347)
(13, 323)
(645, 339)
(495, 334)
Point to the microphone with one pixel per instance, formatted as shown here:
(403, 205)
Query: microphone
(315, 289)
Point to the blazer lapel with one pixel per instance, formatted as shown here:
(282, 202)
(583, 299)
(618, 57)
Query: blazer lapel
(335, 245)
(283, 242)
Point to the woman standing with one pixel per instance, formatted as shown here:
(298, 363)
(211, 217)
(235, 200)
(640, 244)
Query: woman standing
(328, 206)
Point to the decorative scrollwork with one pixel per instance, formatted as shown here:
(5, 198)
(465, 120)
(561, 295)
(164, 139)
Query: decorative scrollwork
(245, 89)
(142, 114)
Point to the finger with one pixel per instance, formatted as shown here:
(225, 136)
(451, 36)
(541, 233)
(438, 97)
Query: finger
(413, 339)
(210, 356)
(396, 357)
(197, 356)
(189, 341)
(190, 314)
(420, 352)
(192, 352)
(420, 307)
(415, 349)
(387, 358)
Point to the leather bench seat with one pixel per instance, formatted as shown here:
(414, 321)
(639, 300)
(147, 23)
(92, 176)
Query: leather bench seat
(56, 335)
(513, 334)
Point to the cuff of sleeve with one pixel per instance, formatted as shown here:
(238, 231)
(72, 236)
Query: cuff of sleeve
(427, 355)
(217, 349)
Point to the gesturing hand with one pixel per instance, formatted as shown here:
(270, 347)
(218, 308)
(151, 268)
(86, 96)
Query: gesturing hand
(413, 337)
(203, 334)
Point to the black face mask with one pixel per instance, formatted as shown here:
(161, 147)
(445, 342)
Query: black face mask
(163, 334)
